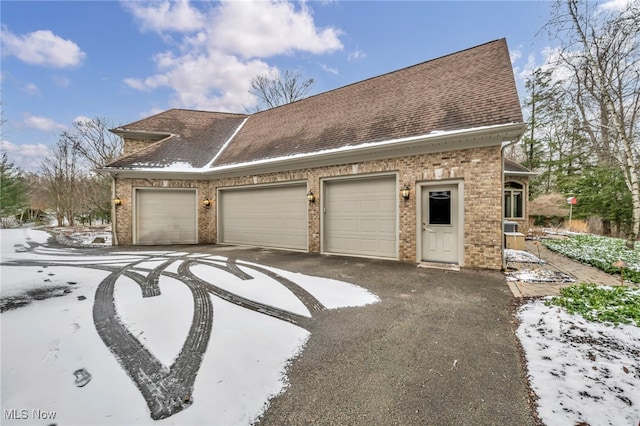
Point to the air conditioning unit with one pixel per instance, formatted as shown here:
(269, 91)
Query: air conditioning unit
(510, 226)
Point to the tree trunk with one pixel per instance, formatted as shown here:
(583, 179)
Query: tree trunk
(628, 164)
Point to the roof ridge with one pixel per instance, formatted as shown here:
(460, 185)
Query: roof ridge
(382, 75)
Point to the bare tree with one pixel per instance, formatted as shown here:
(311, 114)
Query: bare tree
(602, 50)
(96, 146)
(94, 142)
(280, 90)
(60, 176)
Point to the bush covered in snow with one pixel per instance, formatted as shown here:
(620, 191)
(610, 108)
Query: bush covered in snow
(601, 252)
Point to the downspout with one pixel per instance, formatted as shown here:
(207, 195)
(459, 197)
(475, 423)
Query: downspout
(114, 218)
(504, 145)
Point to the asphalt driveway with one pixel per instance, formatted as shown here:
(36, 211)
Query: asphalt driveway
(438, 349)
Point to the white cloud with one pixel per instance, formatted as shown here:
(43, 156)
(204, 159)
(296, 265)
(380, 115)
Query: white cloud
(162, 16)
(199, 83)
(25, 156)
(615, 5)
(42, 48)
(31, 89)
(42, 123)
(26, 150)
(356, 55)
(215, 61)
(81, 119)
(515, 55)
(266, 28)
(329, 69)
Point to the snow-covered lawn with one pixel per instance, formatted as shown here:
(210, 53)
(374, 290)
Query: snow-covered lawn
(53, 300)
(583, 372)
(601, 252)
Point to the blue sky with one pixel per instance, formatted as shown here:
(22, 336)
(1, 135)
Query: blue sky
(66, 61)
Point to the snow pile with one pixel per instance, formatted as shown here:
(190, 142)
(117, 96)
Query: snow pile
(539, 276)
(582, 372)
(521, 256)
(83, 237)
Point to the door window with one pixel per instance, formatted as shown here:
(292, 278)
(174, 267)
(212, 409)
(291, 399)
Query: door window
(439, 207)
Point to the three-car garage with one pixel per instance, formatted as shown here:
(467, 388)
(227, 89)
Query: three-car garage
(356, 216)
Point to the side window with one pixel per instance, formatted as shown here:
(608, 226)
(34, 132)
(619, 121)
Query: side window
(513, 200)
(439, 207)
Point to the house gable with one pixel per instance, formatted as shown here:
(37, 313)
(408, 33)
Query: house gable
(359, 165)
(176, 138)
(471, 89)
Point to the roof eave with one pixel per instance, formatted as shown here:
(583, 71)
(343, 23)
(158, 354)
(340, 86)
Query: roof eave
(140, 134)
(512, 173)
(393, 148)
(414, 145)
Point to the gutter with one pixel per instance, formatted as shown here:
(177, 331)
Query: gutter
(504, 134)
(506, 144)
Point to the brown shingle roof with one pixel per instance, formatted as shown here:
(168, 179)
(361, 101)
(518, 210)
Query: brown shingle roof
(471, 88)
(197, 137)
(512, 167)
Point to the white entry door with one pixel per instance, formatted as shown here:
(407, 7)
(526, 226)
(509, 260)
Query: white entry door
(440, 224)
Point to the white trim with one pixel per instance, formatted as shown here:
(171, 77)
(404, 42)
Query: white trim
(437, 141)
(221, 150)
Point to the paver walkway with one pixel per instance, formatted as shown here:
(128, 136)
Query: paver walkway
(556, 262)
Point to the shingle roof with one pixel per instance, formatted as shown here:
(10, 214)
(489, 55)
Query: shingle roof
(472, 88)
(511, 167)
(468, 89)
(196, 137)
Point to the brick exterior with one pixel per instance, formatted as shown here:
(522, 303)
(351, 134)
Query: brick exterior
(480, 170)
(133, 145)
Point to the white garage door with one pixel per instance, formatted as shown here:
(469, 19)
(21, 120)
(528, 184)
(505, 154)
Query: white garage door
(360, 217)
(270, 216)
(166, 216)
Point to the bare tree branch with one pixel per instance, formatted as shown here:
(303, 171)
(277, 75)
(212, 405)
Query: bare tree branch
(280, 90)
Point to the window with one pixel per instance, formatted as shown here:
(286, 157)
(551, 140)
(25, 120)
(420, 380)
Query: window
(439, 207)
(513, 200)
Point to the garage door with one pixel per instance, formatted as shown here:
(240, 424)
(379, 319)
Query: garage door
(360, 217)
(166, 216)
(271, 216)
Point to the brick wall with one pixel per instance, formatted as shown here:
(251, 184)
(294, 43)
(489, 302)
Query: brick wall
(130, 146)
(479, 168)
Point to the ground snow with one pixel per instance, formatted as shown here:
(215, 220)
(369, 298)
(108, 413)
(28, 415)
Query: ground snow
(581, 371)
(46, 341)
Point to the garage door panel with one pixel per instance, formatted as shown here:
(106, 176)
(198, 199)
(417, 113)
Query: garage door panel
(268, 216)
(166, 217)
(360, 217)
